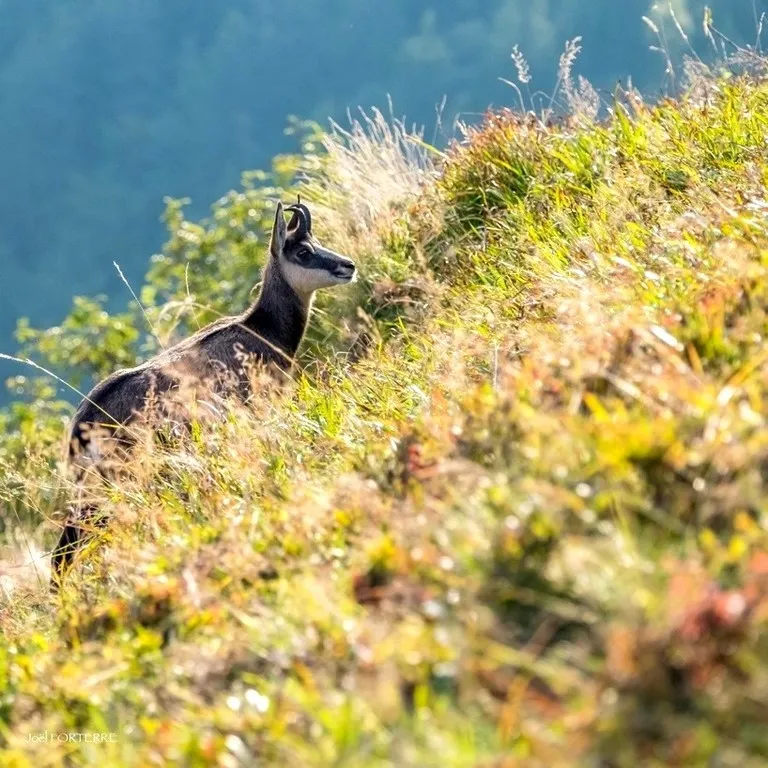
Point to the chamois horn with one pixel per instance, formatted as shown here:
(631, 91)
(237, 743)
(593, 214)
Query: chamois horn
(302, 218)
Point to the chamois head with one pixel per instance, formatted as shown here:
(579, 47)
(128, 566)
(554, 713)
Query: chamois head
(305, 264)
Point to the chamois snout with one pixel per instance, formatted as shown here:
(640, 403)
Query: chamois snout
(339, 267)
(345, 269)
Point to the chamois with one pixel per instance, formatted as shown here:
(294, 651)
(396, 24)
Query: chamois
(220, 356)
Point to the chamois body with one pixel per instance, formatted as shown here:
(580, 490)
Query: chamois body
(219, 357)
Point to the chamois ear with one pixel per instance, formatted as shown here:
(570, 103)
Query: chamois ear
(279, 233)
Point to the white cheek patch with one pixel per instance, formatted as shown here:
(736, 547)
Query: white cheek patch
(305, 281)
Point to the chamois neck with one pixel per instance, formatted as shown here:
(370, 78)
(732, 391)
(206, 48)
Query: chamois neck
(279, 315)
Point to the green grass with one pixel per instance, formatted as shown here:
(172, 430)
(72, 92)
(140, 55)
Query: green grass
(522, 522)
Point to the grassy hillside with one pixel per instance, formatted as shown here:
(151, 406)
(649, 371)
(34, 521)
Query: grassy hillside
(513, 511)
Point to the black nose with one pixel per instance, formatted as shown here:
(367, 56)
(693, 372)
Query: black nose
(345, 268)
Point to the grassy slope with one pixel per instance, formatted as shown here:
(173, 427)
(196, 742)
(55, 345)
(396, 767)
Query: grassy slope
(524, 523)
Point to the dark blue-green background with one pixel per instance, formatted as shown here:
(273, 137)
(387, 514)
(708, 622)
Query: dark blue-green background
(106, 106)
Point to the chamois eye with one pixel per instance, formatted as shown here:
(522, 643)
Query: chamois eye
(304, 255)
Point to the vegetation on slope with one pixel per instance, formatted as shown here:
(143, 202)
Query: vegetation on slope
(512, 511)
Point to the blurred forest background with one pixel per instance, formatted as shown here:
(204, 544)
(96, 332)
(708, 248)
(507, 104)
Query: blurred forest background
(108, 106)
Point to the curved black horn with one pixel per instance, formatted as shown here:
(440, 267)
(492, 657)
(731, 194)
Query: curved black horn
(302, 219)
(297, 227)
(307, 214)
